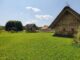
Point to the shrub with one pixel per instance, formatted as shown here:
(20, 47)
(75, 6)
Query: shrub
(77, 37)
(13, 25)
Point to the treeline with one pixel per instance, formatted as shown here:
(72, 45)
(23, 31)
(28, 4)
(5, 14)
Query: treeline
(18, 26)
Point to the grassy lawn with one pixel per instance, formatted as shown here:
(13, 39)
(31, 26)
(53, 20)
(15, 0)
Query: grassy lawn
(36, 46)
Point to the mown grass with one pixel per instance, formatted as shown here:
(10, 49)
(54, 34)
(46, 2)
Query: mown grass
(36, 46)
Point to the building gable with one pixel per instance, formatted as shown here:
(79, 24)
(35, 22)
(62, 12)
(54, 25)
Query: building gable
(66, 12)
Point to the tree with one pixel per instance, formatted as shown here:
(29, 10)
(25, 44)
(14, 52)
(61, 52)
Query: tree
(13, 25)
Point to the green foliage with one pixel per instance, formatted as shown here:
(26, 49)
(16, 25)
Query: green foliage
(1, 27)
(13, 25)
(36, 46)
(77, 37)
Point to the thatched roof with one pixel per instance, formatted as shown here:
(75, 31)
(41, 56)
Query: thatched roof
(31, 25)
(67, 8)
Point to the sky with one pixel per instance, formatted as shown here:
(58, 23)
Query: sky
(39, 12)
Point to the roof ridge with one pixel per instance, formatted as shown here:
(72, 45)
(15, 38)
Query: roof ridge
(62, 11)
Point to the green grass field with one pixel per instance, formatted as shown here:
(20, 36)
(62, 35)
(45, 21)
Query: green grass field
(36, 46)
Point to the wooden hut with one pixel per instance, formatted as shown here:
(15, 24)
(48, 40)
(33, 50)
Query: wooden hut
(31, 28)
(66, 23)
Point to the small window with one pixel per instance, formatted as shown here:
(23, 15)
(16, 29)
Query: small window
(63, 29)
(72, 29)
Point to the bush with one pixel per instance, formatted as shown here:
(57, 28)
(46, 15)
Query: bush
(13, 25)
(77, 37)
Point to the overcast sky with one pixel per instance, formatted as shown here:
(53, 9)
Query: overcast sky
(40, 12)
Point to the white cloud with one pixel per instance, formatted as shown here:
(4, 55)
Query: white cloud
(33, 9)
(47, 17)
(32, 21)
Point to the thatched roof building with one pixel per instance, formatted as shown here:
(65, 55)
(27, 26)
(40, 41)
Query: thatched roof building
(31, 27)
(66, 23)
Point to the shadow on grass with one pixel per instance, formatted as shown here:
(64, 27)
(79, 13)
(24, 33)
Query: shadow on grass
(76, 45)
(65, 36)
(62, 36)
